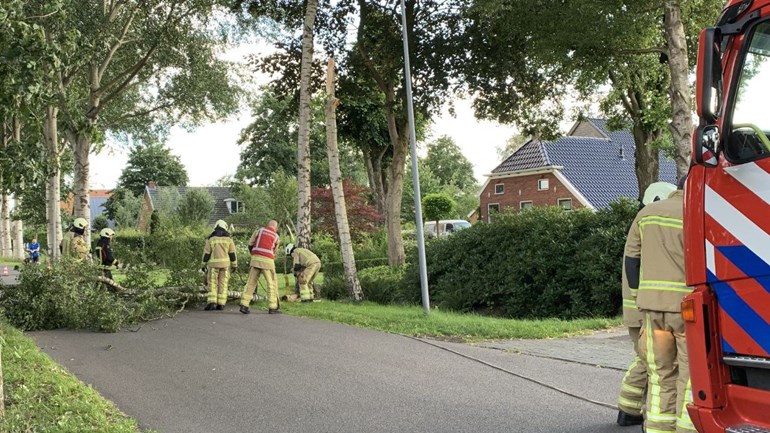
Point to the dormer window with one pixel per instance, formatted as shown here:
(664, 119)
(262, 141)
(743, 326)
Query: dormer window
(234, 206)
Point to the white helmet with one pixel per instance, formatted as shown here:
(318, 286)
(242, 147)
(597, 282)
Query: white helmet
(221, 224)
(289, 249)
(80, 223)
(107, 233)
(658, 191)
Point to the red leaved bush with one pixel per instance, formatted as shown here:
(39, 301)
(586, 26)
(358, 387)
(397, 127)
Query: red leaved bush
(362, 215)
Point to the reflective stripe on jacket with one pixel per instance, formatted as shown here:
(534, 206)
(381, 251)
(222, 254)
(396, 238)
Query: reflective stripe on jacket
(220, 248)
(265, 241)
(656, 237)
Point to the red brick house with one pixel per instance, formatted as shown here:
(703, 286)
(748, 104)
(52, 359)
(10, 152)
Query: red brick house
(588, 168)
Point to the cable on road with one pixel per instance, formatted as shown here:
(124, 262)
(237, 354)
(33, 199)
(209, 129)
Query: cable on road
(520, 376)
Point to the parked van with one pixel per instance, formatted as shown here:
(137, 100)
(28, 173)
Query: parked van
(446, 227)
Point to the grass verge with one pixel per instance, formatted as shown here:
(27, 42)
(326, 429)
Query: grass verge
(42, 397)
(411, 320)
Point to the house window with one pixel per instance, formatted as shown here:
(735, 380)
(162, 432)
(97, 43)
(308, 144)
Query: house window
(542, 184)
(234, 206)
(565, 203)
(492, 208)
(525, 205)
(499, 188)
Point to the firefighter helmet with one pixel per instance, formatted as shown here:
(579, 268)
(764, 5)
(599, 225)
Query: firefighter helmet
(221, 224)
(107, 233)
(80, 223)
(289, 249)
(658, 191)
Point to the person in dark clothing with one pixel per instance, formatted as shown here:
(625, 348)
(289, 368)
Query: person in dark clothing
(104, 252)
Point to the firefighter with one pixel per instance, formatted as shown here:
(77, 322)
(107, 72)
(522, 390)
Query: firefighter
(306, 267)
(262, 246)
(74, 243)
(103, 252)
(632, 389)
(218, 261)
(654, 262)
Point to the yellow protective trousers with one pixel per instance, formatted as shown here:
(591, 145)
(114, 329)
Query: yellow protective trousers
(251, 285)
(662, 344)
(218, 278)
(632, 389)
(305, 279)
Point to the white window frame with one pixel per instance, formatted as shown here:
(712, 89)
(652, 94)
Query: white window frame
(523, 202)
(565, 199)
(502, 190)
(541, 182)
(489, 213)
(239, 206)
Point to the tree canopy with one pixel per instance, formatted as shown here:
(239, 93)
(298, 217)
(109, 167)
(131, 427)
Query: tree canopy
(152, 162)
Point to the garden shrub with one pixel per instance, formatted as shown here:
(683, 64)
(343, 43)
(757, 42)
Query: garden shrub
(380, 283)
(543, 262)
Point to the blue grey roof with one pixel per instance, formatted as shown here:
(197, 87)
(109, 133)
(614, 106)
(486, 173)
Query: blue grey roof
(97, 206)
(593, 165)
(219, 194)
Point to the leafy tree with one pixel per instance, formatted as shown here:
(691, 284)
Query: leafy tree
(152, 162)
(438, 206)
(447, 162)
(125, 208)
(511, 145)
(99, 223)
(362, 215)
(195, 207)
(262, 203)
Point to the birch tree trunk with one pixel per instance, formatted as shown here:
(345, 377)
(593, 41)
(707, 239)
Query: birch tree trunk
(335, 178)
(303, 145)
(81, 146)
(18, 237)
(681, 116)
(53, 183)
(5, 225)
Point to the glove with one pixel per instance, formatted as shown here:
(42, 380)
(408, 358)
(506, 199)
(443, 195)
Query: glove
(204, 269)
(233, 269)
(298, 268)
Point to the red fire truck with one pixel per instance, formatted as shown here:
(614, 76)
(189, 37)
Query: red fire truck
(727, 225)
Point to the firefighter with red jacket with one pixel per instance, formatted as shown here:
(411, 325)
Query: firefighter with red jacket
(262, 246)
(654, 260)
(218, 260)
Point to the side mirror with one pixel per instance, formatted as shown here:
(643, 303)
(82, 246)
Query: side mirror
(704, 145)
(708, 75)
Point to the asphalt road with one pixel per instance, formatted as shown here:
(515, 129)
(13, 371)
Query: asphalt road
(227, 372)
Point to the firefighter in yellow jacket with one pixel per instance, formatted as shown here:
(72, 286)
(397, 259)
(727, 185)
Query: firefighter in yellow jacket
(654, 262)
(632, 389)
(74, 243)
(218, 260)
(306, 267)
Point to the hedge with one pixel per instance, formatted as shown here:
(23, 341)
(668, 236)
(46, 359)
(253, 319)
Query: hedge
(543, 262)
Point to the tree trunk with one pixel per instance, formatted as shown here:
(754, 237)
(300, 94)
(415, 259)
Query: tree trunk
(681, 116)
(396, 256)
(303, 145)
(379, 184)
(335, 178)
(2, 380)
(53, 183)
(81, 146)
(647, 160)
(5, 226)
(18, 237)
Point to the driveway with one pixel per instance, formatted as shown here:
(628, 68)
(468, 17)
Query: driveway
(223, 371)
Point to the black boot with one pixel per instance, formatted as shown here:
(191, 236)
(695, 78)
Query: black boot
(626, 419)
(245, 309)
(274, 311)
(220, 307)
(210, 306)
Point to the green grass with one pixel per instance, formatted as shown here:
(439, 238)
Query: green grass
(409, 320)
(42, 397)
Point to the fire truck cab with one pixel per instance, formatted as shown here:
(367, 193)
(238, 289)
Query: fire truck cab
(727, 225)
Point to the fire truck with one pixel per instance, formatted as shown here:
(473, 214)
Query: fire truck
(727, 225)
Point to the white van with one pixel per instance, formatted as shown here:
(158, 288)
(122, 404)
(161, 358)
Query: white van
(446, 227)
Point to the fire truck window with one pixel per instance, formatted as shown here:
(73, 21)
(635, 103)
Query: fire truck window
(750, 126)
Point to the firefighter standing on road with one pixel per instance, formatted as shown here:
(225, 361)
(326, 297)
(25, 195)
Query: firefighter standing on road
(306, 267)
(632, 389)
(262, 246)
(654, 261)
(74, 243)
(218, 260)
(104, 252)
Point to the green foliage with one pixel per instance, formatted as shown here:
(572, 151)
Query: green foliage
(437, 206)
(277, 201)
(152, 162)
(195, 208)
(381, 284)
(447, 162)
(541, 263)
(99, 223)
(125, 208)
(40, 396)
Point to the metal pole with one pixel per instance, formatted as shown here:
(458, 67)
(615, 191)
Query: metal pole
(415, 173)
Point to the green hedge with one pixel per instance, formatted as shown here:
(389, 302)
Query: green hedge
(543, 262)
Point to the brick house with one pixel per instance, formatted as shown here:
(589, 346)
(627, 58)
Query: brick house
(589, 167)
(224, 203)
